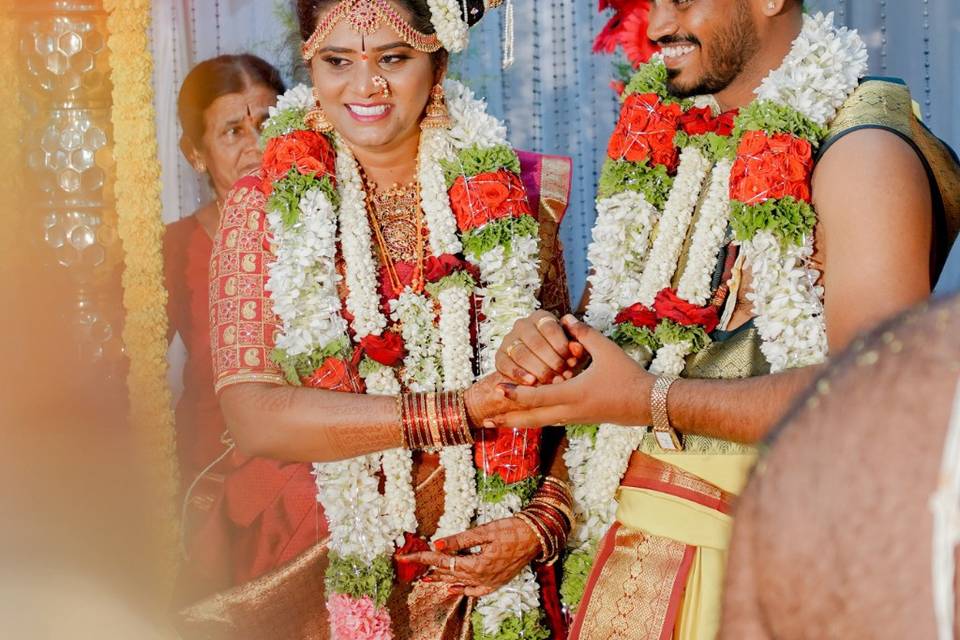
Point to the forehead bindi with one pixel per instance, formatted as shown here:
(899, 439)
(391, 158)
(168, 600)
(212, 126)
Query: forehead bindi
(234, 107)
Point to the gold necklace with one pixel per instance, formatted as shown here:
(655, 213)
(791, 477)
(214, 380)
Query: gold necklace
(395, 215)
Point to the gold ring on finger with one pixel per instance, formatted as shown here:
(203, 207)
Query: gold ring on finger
(513, 345)
(544, 320)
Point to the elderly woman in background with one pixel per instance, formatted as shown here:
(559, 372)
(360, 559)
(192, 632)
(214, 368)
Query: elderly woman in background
(244, 516)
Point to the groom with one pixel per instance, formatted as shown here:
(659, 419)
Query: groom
(886, 201)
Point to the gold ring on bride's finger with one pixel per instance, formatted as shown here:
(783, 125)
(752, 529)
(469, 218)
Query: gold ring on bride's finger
(453, 564)
(543, 320)
(513, 345)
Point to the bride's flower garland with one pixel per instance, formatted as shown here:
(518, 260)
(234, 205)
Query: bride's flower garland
(473, 202)
(759, 184)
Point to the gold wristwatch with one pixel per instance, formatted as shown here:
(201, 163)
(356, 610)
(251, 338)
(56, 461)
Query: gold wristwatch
(667, 437)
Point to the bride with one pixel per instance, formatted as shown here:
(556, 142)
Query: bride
(359, 280)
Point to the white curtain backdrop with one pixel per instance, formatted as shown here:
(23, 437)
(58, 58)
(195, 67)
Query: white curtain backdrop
(555, 99)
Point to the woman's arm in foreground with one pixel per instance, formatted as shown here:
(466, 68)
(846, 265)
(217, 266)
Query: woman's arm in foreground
(316, 425)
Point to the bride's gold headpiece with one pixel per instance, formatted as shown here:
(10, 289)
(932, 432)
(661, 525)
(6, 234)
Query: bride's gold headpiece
(366, 17)
(452, 20)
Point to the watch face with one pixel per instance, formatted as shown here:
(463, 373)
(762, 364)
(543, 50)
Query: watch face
(668, 440)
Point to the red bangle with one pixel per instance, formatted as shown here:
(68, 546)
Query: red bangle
(431, 420)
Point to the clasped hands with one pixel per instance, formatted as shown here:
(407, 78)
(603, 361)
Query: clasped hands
(549, 372)
(560, 372)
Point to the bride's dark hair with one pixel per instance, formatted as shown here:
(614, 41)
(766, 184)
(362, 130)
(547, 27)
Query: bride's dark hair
(309, 10)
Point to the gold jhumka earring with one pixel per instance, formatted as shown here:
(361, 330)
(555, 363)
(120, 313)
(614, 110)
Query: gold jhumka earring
(316, 118)
(437, 115)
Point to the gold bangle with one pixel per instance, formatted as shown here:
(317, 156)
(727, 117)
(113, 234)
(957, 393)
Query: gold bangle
(466, 434)
(433, 420)
(403, 428)
(556, 504)
(665, 434)
(527, 520)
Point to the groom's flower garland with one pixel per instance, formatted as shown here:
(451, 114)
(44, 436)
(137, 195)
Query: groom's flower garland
(759, 184)
(469, 182)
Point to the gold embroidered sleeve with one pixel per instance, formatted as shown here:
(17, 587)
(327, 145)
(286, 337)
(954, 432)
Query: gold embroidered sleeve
(243, 325)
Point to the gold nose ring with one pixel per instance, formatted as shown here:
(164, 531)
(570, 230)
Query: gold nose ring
(384, 86)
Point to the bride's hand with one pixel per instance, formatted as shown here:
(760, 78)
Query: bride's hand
(538, 351)
(485, 399)
(506, 546)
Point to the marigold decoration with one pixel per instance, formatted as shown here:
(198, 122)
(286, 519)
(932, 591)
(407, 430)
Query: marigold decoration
(410, 330)
(749, 171)
(140, 228)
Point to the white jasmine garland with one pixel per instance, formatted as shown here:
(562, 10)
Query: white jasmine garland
(459, 481)
(363, 299)
(511, 600)
(422, 363)
(435, 145)
(302, 280)
(787, 302)
(299, 97)
(472, 125)
(708, 237)
(671, 358)
(352, 504)
(577, 457)
(822, 69)
(454, 326)
(399, 500)
(611, 454)
(510, 280)
(677, 214)
(621, 239)
(451, 29)
(459, 490)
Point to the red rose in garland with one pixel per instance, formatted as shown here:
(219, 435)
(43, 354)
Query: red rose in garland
(387, 349)
(670, 306)
(771, 167)
(512, 454)
(309, 152)
(639, 316)
(435, 268)
(335, 375)
(410, 571)
(698, 121)
(487, 196)
(646, 130)
(726, 121)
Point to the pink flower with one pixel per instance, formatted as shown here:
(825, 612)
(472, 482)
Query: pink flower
(358, 619)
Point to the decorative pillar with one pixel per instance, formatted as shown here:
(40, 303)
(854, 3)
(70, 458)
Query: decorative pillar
(64, 80)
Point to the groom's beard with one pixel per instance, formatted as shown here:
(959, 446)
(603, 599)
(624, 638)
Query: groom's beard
(730, 48)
